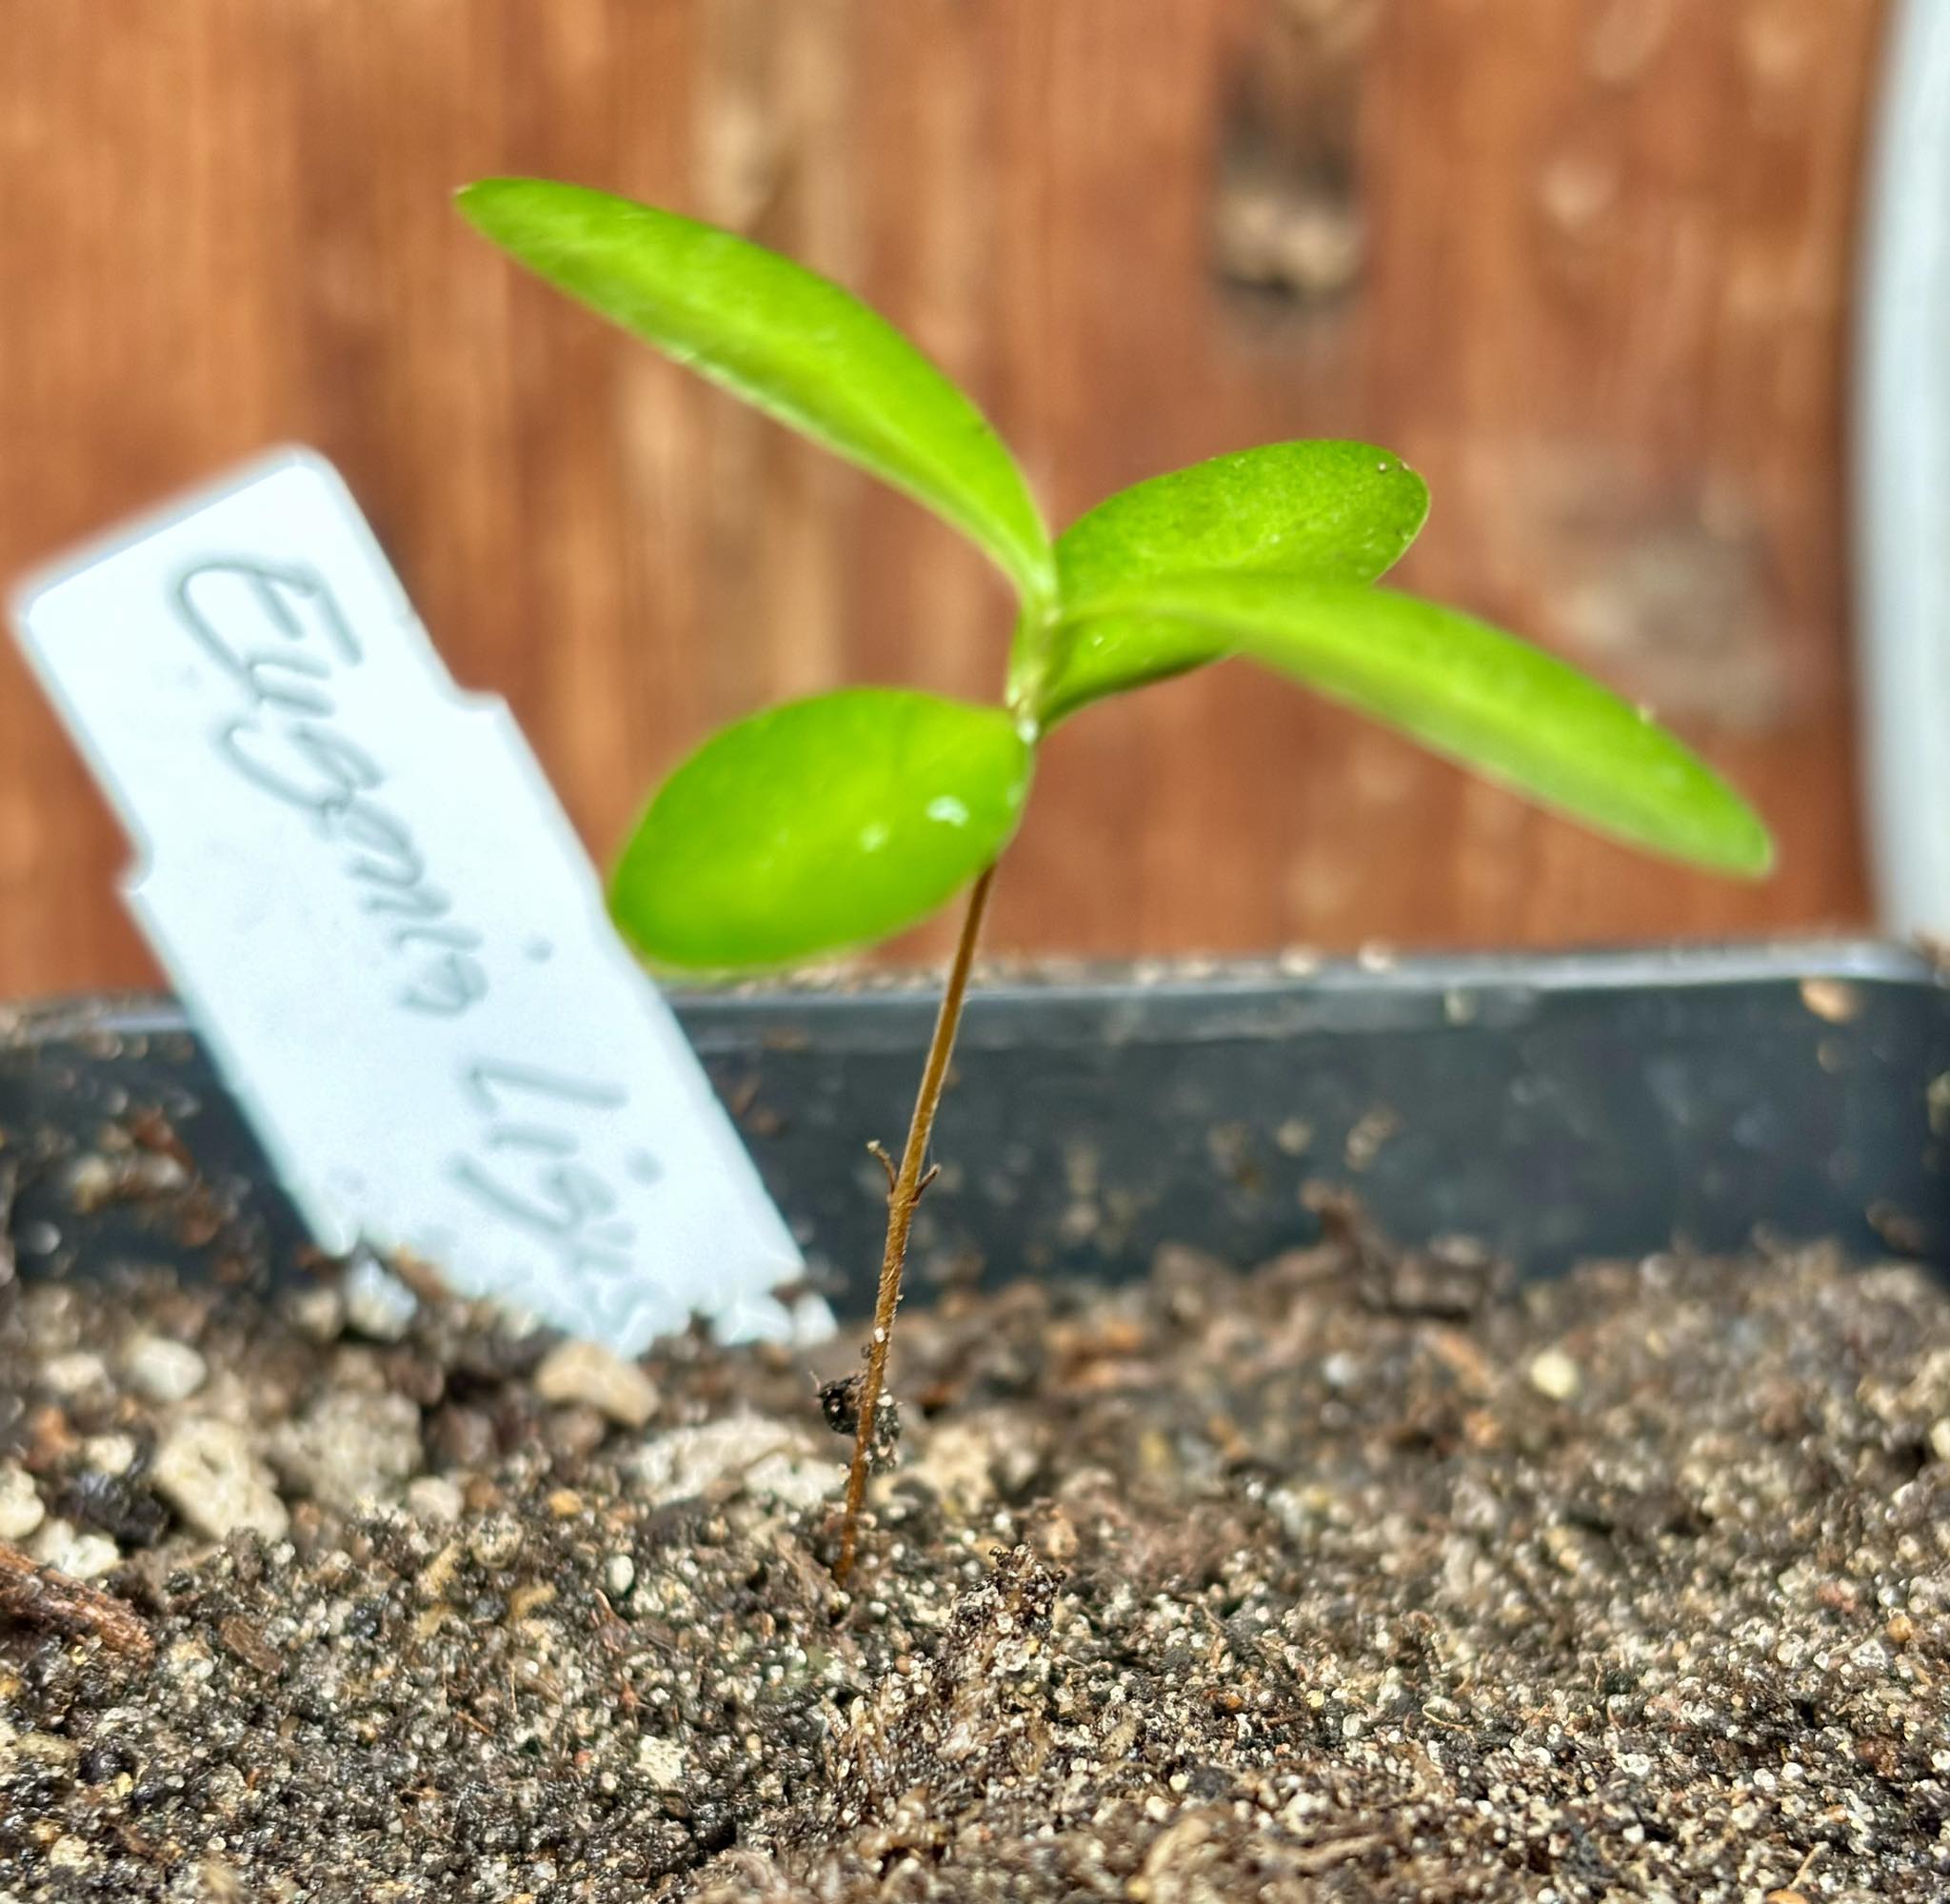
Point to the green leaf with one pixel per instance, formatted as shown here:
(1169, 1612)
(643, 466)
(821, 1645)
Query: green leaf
(1480, 697)
(820, 825)
(1327, 511)
(785, 339)
(1324, 511)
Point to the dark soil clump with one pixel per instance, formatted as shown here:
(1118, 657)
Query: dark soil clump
(1357, 1578)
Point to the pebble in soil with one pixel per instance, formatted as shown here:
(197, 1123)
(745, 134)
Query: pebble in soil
(1303, 1585)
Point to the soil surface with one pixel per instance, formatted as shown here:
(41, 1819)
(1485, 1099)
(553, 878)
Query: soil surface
(1361, 1576)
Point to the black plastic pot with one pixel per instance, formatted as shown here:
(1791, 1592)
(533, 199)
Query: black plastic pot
(1552, 1107)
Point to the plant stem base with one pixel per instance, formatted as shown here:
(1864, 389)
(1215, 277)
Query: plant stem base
(903, 1192)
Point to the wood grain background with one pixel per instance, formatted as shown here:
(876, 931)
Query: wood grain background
(1584, 261)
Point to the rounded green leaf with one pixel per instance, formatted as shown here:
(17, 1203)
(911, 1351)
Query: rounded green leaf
(785, 339)
(1483, 698)
(820, 825)
(1320, 511)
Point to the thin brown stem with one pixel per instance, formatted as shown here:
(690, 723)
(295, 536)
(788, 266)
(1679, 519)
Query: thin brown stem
(903, 1194)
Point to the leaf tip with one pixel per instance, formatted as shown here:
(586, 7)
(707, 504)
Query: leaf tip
(1729, 836)
(483, 202)
(1756, 854)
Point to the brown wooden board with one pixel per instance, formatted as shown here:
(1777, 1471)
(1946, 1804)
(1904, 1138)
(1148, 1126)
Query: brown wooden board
(1585, 262)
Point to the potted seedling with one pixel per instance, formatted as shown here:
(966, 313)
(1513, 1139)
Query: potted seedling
(1368, 1573)
(835, 820)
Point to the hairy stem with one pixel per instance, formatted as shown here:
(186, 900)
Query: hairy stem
(903, 1192)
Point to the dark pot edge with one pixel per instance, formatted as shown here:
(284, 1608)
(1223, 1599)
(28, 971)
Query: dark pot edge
(1557, 1106)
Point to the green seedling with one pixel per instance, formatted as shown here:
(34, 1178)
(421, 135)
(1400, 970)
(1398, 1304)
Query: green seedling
(832, 822)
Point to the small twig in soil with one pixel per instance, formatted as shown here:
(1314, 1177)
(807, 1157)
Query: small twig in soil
(1311, 1860)
(1791, 1893)
(11, 1173)
(904, 1193)
(40, 1595)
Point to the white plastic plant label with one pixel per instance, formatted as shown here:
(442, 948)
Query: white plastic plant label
(366, 892)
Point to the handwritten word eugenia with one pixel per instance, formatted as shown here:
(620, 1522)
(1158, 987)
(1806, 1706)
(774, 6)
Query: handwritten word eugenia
(279, 632)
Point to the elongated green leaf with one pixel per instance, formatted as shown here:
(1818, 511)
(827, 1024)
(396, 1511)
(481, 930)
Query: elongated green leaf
(1329, 511)
(1483, 699)
(1324, 512)
(820, 825)
(785, 339)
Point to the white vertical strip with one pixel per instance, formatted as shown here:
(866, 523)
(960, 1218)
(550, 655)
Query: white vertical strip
(1903, 477)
